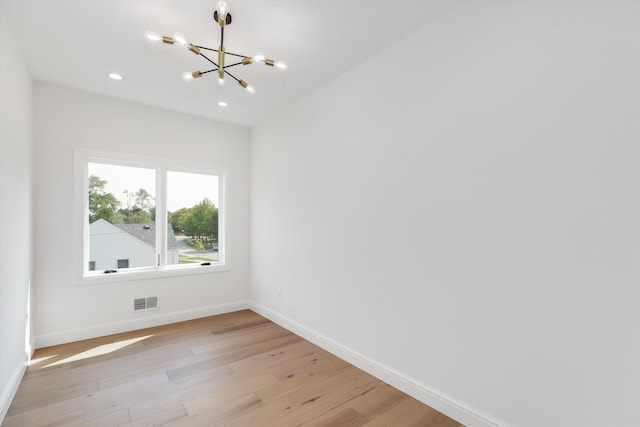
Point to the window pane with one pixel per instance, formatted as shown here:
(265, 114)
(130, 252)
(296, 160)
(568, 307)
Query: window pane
(122, 233)
(192, 204)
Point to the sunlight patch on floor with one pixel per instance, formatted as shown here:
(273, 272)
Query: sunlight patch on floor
(40, 359)
(99, 351)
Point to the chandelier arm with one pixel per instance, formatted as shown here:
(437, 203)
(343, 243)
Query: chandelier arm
(232, 65)
(205, 57)
(237, 54)
(207, 48)
(232, 76)
(227, 53)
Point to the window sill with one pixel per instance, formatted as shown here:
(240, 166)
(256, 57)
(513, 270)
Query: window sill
(126, 276)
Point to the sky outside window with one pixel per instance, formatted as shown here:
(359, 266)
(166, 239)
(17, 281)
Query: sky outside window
(184, 190)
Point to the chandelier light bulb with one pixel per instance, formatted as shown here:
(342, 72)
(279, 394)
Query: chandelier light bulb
(180, 39)
(187, 77)
(222, 104)
(221, 81)
(281, 65)
(247, 86)
(222, 11)
(259, 57)
(152, 37)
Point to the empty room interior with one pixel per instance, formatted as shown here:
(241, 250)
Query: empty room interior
(440, 196)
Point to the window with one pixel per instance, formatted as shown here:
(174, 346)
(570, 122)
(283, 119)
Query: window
(192, 201)
(121, 202)
(148, 217)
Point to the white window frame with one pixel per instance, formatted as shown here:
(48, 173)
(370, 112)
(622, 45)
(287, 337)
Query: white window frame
(82, 158)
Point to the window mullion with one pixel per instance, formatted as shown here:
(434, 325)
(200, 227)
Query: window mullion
(161, 216)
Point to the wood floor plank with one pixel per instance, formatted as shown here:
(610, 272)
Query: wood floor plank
(224, 392)
(303, 374)
(313, 362)
(269, 359)
(340, 388)
(410, 412)
(233, 343)
(347, 417)
(242, 405)
(367, 406)
(436, 419)
(57, 418)
(150, 414)
(305, 403)
(157, 389)
(51, 395)
(104, 397)
(110, 419)
(237, 369)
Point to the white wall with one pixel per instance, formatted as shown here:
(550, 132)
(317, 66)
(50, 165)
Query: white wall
(65, 119)
(467, 225)
(15, 214)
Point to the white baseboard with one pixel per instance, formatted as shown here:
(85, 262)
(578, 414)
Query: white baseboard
(47, 340)
(433, 398)
(7, 393)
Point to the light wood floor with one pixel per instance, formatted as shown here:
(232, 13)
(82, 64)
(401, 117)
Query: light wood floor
(237, 369)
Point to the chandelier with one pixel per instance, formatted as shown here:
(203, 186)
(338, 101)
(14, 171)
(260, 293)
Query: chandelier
(222, 16)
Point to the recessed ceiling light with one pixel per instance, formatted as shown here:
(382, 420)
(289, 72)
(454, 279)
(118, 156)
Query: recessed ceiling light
(222, 104)
(115, 76)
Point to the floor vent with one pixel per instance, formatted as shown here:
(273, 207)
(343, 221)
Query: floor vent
(147, 303)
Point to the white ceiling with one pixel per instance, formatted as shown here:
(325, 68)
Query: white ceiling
(77, 43)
